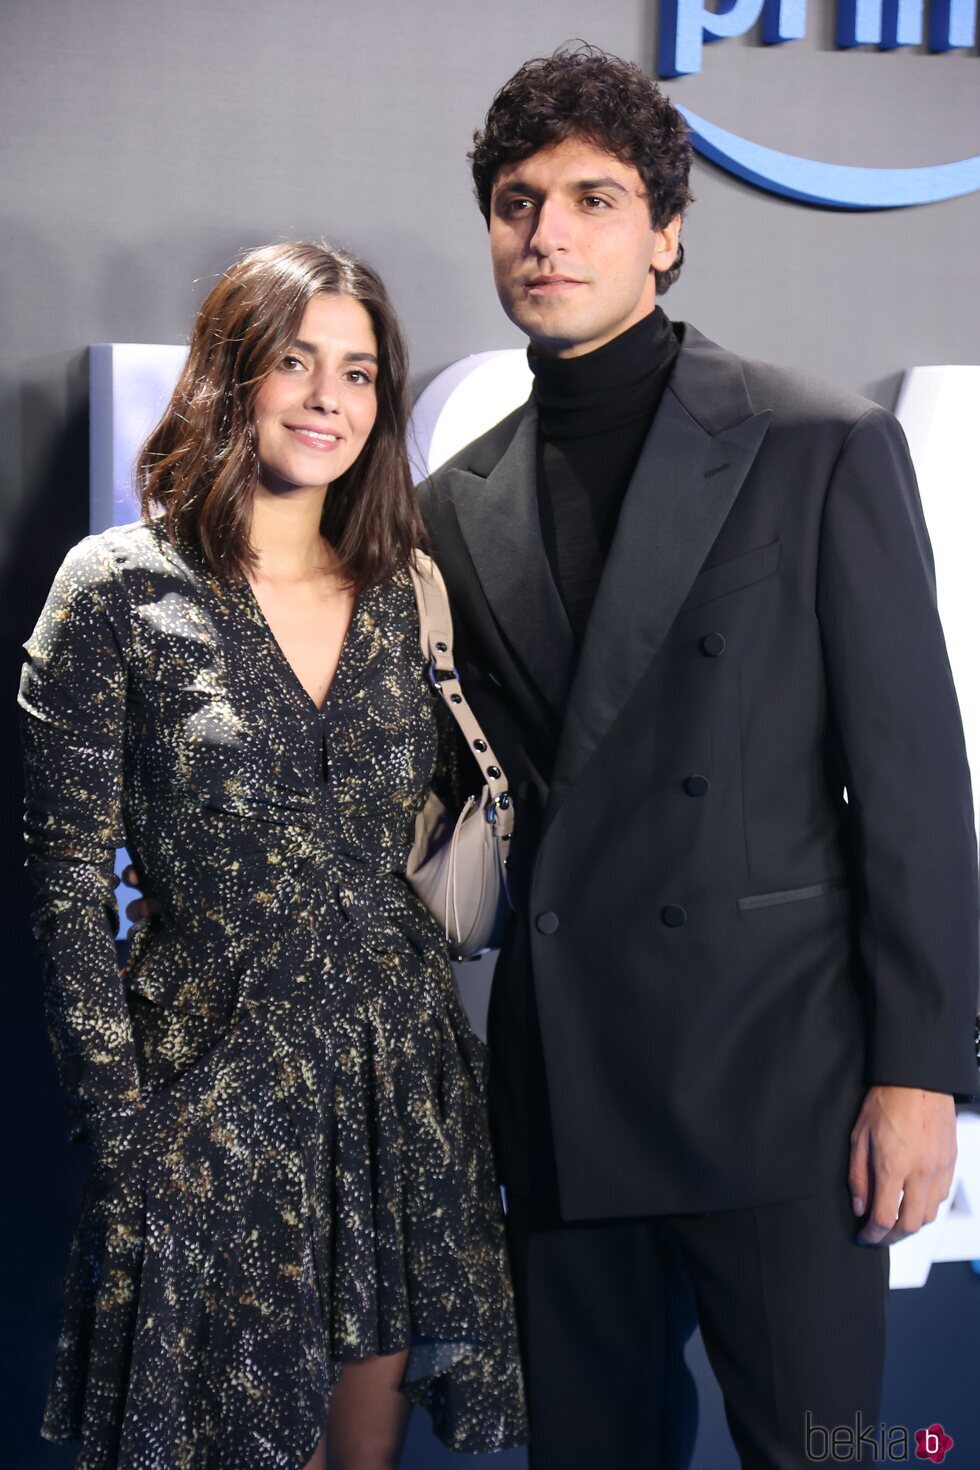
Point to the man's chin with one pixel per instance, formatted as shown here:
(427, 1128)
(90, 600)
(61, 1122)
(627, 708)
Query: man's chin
(552, 334)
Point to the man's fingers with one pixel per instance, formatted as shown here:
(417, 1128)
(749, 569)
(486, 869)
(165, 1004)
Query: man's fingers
(911, 1214)
(857, 1177)
(141, 908)
(920, 1204)
(938, 1190)
(882, 1212)
(131, 877)
(904, 1140)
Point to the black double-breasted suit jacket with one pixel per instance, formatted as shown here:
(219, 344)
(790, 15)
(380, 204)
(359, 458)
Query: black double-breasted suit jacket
(745, 862)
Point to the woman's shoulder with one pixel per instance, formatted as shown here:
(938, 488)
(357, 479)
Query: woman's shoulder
(400, 593)
(107, 561)
(108, 574)
(423, 587)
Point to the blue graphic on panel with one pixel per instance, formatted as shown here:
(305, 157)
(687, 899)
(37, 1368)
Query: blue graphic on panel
(952, 24)
(687, 25)
(838, 185)
(785, 22)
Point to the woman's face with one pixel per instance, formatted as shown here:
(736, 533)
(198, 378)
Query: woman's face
(315, 411)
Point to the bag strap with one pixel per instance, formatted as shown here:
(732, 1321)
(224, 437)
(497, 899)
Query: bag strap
(436, 642)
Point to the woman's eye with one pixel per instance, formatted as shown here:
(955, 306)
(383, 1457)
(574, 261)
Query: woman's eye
(358, 375)
(292, 362)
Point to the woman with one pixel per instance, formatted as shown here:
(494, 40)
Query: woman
(292, 1198)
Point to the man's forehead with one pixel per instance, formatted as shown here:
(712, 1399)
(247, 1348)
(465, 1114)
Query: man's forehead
(569, 163)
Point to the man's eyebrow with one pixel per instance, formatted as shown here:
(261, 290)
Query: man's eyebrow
(580, 186)
(606, 183)
(311, 348)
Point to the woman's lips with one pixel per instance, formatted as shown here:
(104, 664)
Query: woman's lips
(318, 439)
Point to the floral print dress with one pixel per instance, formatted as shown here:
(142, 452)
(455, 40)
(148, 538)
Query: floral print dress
(285, 1101)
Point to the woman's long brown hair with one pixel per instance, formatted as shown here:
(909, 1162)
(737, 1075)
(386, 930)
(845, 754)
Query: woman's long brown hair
(199, 467)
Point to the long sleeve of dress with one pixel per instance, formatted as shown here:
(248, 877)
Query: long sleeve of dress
(73, 705)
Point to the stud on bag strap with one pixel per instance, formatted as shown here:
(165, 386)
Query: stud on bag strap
(436, 642)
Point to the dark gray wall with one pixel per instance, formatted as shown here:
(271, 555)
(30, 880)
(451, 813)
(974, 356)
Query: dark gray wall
(142, 146)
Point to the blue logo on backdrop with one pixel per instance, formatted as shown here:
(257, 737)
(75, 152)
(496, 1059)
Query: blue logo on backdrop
(685, 25)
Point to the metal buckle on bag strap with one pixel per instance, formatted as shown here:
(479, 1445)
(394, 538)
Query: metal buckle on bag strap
(502, 801)
(439, 676)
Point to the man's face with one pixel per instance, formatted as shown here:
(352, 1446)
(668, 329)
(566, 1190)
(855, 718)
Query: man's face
(573, 248)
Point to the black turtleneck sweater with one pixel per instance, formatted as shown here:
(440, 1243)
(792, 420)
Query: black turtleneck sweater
(594, 412)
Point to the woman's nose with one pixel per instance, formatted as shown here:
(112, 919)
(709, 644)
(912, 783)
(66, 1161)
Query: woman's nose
(323, 392)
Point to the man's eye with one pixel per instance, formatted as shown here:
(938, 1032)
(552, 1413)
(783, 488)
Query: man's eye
(518, 206)
(595, 202)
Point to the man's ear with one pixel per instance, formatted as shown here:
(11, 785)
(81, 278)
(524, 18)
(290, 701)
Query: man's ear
(665, 243)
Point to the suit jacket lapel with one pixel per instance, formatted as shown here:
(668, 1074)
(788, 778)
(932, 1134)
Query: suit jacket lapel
(700, 447)
(499, 519)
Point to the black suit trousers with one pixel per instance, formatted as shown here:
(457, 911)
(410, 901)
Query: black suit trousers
(792, 1313)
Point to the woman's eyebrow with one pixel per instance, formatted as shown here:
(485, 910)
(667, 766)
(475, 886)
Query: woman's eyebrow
(312, 349)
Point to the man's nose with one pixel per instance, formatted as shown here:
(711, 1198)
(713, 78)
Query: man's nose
(550, 233)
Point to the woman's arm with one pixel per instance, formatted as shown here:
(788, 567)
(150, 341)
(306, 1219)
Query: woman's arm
(73, 709)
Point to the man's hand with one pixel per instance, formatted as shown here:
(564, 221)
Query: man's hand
(903, 1148)
(140, 908)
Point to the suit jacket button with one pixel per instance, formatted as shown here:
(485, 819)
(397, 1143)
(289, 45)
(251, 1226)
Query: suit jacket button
(546, 923)
(673, 916)
(713, 644)
(697, 785)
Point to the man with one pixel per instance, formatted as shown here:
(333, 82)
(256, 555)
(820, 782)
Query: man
(694, 610)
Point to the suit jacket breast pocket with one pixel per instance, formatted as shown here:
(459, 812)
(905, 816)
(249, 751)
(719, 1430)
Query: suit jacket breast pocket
(732, 575)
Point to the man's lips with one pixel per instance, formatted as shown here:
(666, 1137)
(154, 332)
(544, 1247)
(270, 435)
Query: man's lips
(552, 285)
(321, 439)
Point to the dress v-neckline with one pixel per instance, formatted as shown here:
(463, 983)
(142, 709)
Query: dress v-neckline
(294, 678)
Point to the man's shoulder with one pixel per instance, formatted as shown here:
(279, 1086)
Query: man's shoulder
(794, 397)
(798, 396)
(476, 460)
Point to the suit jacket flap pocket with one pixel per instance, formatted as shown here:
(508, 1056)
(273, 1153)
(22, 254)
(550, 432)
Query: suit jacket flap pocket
(787, 895)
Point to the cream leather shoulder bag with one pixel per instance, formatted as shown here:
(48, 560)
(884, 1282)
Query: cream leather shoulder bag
(459, 867)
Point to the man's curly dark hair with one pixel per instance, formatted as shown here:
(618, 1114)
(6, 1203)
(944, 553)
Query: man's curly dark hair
(587, 93)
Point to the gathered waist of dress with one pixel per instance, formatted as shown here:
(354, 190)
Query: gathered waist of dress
(305, 917)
